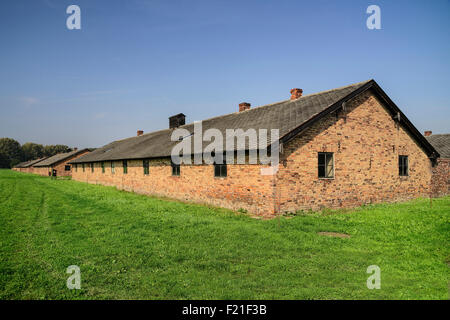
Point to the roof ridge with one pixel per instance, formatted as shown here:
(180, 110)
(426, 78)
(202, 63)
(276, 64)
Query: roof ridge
(249, 110)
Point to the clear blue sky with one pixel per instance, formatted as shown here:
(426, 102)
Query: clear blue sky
(134, 63)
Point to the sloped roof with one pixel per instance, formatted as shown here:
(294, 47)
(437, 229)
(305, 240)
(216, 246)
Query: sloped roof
(21, 165)
(441, 142)
(289, 116)
(58, 158)
(29, 163)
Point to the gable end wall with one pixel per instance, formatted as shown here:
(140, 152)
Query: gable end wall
(366, 143)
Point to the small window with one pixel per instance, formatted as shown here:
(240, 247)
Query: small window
(103, 167)
(403, 165)
(326, 165)
(66, 168)
(113, 169)
(125, 166)
(92, 167)
(76, 167)
(220, 170)
(175, 169)
(146, 165)
(83, 166)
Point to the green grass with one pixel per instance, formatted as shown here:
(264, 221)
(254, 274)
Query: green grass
(130, 246)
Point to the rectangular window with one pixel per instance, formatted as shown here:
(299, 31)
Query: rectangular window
(92, 167)
(113, 169)
(146, 166)
(76, 167)
(326, 165)
(175, 169)
(403, 165)
(66, 168)
(83, 166)
(220, 170)
(125, 166)
(103, 167)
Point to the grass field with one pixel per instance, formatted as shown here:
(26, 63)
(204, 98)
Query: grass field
(130, 246)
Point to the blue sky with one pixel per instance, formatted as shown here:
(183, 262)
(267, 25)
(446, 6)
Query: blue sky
(134, 63)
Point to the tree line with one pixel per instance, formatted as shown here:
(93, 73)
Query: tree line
(12, 153)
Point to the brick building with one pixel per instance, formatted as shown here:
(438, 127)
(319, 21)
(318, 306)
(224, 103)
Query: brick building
(27, 166)
(58, 162)
(441, 172)
(338, 148)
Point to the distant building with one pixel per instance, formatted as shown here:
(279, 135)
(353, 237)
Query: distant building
(441, 172)
(27, 166)
(58, 164)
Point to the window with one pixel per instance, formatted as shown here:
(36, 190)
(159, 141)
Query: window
(125, 166)
(83, 167)
(66, 168)
(113, 170)
(76, 167)
(146, 166)
(92, 167)
(220, 170)
(326, 165)
(175, 169)
(103, 167)
(403, 165)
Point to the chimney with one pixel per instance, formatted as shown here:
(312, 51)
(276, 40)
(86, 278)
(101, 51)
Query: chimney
(428, 133)
(244, 106)
(75, 149)
(296, 93)
(140, 133)
(177, 120)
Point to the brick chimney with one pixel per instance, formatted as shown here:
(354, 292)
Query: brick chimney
(428, 133)
(296, 93)
(177, 120)
(140, 133)
(244, 106)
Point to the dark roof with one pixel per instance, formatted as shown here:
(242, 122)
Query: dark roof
(289, 116)
(58, 158)
(21, 165)
(441, 142)
(29, 163)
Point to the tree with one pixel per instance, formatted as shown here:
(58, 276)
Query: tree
(51, 150)
(32, 151)
(10, 152)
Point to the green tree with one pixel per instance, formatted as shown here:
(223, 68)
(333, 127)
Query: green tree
(32, 151)
(10, 152)
(51, 150)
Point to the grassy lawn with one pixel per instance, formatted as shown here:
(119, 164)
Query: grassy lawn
(130, 246)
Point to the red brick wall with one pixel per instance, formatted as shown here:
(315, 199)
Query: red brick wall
(243, 187)
(441, 177)
(366, 144)
(43, 171)
(60, 171)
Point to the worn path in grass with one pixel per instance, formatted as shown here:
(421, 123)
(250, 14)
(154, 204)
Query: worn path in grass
(130, 246)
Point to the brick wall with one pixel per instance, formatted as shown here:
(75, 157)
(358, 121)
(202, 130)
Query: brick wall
(243, 187)
(365, 141)
(60, 167)
(441, 177)
(43, 171)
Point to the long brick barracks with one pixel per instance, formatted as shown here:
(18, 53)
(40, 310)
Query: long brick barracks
(338, 148)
